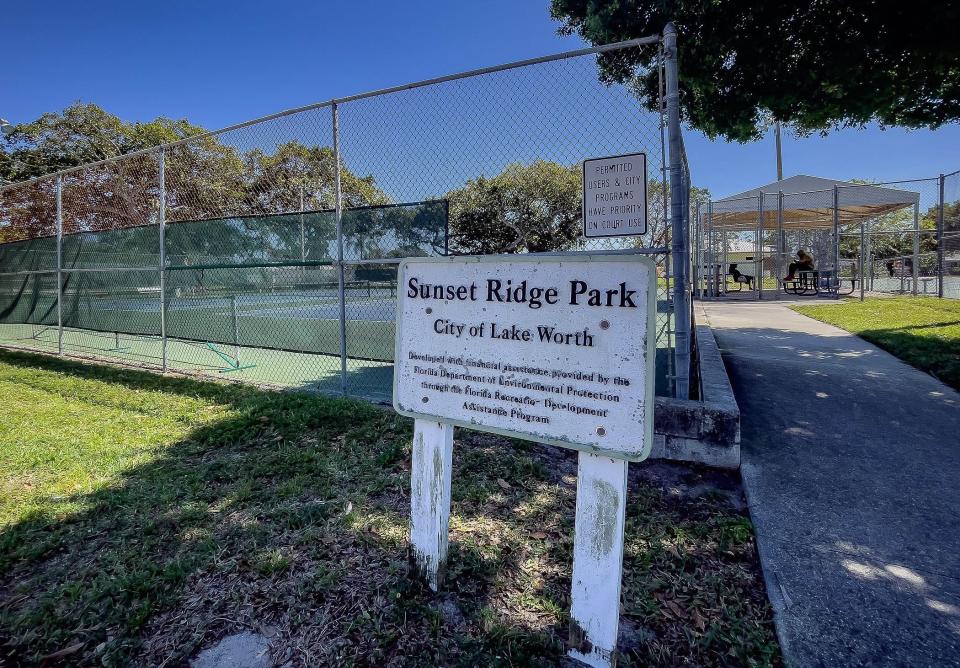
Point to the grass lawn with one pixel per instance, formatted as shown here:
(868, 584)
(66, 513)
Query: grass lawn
(923, 331)
(142, 518)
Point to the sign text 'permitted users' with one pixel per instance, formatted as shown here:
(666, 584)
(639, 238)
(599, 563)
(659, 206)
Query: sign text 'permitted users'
(615, 195)
(554, 349)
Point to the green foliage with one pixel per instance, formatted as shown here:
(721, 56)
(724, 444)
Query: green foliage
(205, 178)
(142, 516)
(537, 208)
(530, 208)
(814, 66)
(81, 133)
(278, 180)
(892, 234)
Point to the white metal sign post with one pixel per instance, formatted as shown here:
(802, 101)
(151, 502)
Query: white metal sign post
(557, 349)
(615, 195)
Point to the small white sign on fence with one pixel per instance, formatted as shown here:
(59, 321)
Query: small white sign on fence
(557, 349)
(615, 195)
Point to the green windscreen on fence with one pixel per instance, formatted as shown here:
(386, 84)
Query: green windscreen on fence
(254, 281)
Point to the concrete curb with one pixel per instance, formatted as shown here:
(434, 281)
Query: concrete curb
(706, 431)
(776, 594)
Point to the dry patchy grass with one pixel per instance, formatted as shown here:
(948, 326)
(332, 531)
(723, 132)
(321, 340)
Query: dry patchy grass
(142, 518)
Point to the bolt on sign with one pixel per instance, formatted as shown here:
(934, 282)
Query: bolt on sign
(551, 348)
(615, 195)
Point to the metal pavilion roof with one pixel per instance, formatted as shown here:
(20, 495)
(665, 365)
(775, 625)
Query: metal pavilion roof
(807, 204)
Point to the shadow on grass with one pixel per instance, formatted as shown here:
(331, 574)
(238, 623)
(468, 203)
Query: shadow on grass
(935, 355)
(289, 517)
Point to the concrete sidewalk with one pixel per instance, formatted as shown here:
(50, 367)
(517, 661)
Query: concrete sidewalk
(851, 464)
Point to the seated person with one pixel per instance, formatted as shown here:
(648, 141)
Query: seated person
(804, 263)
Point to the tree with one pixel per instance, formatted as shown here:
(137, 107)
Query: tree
(658, 212)
(205, 178)
(531, 208)
(405, 230)
(277, 181)
(537, 208)
(80, 134)
(815, 66)
(113, 195)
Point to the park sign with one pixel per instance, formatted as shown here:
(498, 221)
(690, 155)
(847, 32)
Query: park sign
(550, 348)
(557, 349)
(615, 195)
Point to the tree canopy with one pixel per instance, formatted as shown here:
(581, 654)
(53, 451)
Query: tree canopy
(815, 66)
(536, 208)
(533, 208)
(206, 177)
(80, 134)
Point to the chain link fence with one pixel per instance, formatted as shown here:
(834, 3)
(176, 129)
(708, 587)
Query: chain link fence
(883, 238)
(948, 248)
(267, 252)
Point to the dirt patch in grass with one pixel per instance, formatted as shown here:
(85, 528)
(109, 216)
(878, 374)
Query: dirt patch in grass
(286, 514)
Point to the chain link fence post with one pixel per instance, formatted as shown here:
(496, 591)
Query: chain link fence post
(760, 246)
(915, 268)
(678, 220)
(836, 242)
(303, 231)
(863, 258)
(695, 244)
(60, 264)
(163, 259)
(780, 243)
(341, 285)
(711, 273)
(940, 238)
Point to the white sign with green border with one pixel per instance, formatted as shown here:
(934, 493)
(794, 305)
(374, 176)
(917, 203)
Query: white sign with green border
(551, 348)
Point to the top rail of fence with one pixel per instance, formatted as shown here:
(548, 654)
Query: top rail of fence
(603, 48)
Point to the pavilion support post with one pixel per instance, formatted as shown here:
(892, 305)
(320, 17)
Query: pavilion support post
(836, 239)
(863, 255)
(757, 262)
(724, 263)
(707, 253)
(780, 242)
(760, 245)
(915, 265)
(695, 242)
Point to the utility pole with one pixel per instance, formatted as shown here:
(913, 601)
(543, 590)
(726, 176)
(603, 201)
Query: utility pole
(776, 131)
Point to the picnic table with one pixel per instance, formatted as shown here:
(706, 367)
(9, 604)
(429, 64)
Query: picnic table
(813, 282)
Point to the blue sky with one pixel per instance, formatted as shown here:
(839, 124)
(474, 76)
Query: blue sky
(222, 63)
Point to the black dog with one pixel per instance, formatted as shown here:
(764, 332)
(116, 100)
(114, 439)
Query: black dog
(739, 277)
